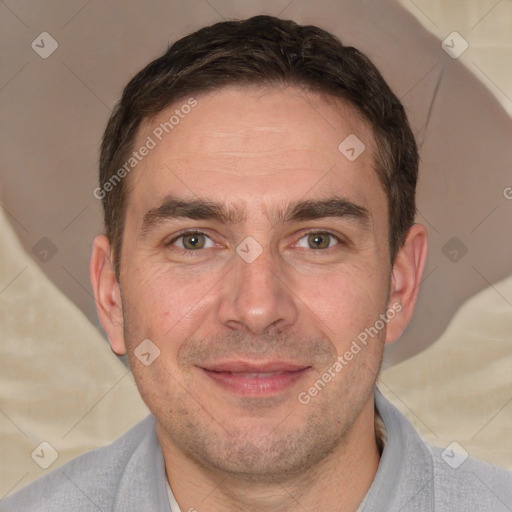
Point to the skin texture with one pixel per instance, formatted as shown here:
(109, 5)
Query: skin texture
(256, 151)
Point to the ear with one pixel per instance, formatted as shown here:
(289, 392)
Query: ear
(405, 280)
(107, 293)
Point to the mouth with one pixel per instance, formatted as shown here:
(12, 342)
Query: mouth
(250, 379)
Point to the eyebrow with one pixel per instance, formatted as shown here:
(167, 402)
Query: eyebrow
(174, 208)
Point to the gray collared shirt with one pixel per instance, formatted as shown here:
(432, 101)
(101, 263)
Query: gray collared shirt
(129, 476)
(176, 508)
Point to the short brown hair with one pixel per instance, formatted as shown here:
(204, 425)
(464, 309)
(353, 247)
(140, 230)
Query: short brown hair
(264, 50)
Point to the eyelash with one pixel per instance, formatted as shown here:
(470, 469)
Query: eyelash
(304, 234)
(184, 234)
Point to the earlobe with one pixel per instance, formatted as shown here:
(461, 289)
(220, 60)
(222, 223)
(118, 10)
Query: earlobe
(107, 293)
(405, 280)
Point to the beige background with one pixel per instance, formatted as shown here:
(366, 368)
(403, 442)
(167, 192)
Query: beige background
(57, 381)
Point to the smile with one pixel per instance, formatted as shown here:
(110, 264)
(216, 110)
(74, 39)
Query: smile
(256, 380)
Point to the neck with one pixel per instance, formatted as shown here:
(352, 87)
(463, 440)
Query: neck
(338, 483)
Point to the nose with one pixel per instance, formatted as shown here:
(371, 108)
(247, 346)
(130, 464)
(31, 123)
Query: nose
(256, 297)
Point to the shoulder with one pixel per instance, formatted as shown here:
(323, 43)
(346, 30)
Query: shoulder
(415, 476)
(468, 483)
(88, 481)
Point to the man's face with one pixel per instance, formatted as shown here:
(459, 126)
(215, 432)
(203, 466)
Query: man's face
(241, 333)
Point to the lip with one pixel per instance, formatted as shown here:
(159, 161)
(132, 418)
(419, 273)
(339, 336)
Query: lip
(239, 366)
(256, 379)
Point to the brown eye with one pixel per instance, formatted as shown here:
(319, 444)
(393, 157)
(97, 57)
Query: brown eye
(194, 241)
(319, 240)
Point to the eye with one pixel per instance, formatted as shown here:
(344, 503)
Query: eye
(192, 241)
(318, 240)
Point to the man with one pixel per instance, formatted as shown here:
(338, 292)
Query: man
(258, 183)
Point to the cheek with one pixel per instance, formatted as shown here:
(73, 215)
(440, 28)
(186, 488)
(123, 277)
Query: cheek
(164, 308)
(345, 301)
(164, 304)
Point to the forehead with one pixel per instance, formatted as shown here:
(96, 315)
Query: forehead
(244, 144)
